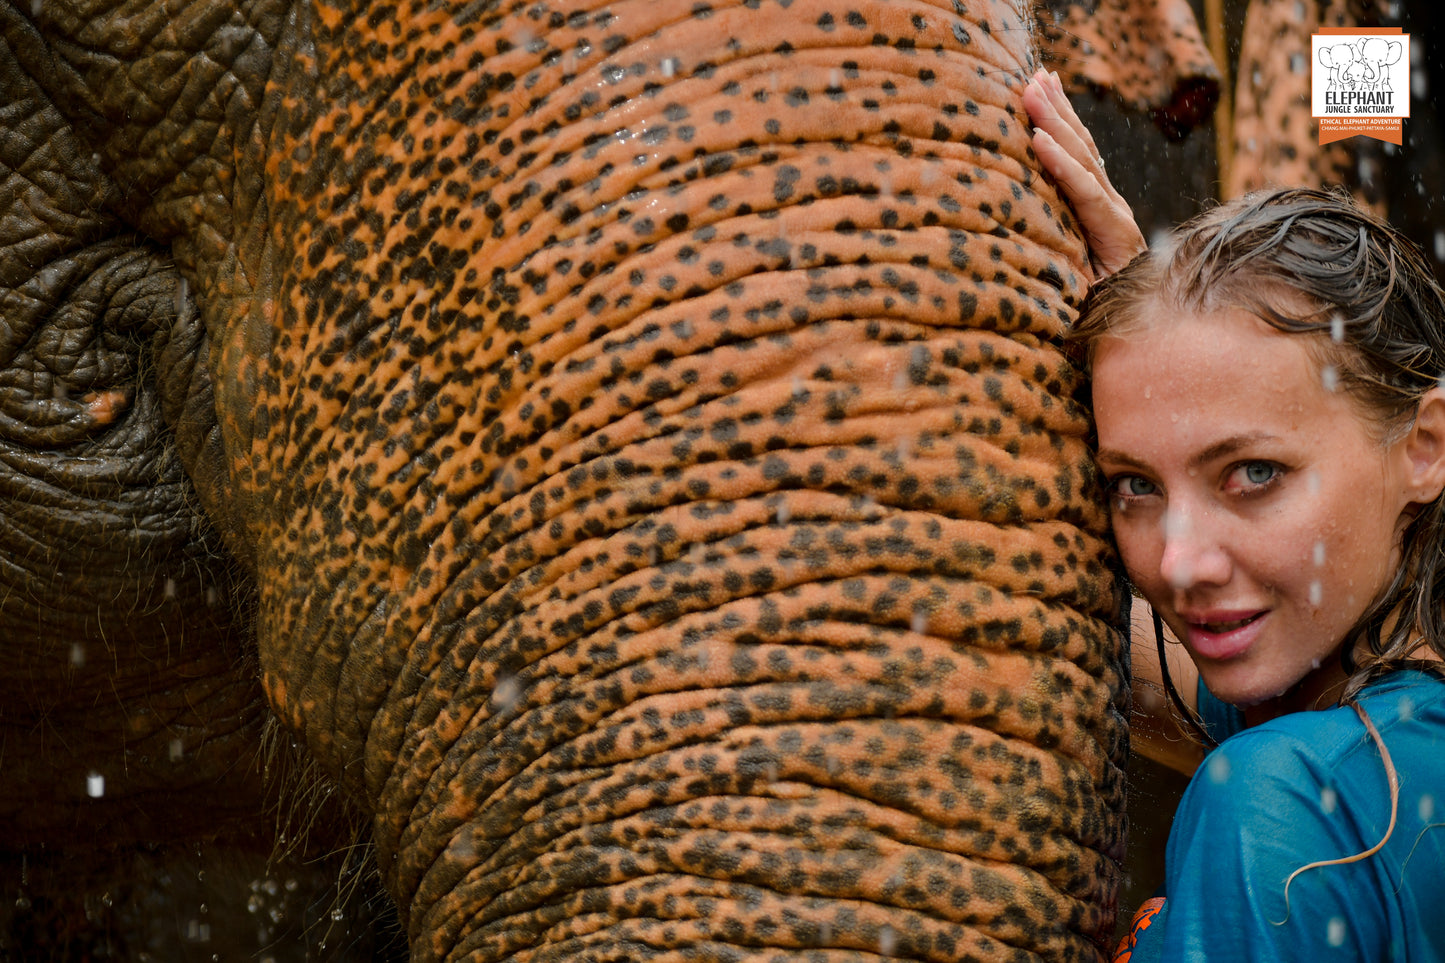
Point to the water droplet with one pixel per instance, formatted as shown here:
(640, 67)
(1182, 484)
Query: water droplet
(1427, 807)
(177, 749)
(77, 654)
(505, 694)
(22, 902)
(1317, 592)
(95, 785)
(170, 589)
(198, 932)
(1319, 553)
(612, 74)
(1329, 799)
(254, 904)
(337, 915)
(670, 66)
(1217, 768)
(1335, 931)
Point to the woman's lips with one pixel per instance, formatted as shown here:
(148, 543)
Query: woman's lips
(1224, 635)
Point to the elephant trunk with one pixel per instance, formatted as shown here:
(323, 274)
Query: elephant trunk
(673, 519)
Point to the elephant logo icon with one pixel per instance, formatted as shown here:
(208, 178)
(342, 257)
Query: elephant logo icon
(1361, 82)
(1337, 58)
(1373, 55)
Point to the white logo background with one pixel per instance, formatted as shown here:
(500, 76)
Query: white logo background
(1365, 75)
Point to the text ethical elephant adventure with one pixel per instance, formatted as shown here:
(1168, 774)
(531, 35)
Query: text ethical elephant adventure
(614, 454)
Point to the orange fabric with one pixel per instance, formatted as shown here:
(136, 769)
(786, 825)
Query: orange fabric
(1143, 919)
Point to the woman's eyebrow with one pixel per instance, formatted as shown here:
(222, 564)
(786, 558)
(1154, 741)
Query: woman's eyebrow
(1220, 449)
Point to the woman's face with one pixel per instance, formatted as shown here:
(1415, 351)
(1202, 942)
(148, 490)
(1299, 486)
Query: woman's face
(1252, 504)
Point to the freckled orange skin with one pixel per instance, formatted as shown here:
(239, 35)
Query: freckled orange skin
(1149, 53)
(670, 514)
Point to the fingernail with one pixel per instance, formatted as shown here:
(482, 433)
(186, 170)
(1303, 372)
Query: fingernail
(1057, 82)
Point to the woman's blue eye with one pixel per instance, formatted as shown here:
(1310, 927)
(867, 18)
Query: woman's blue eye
(1132, 486)
(1259, 472)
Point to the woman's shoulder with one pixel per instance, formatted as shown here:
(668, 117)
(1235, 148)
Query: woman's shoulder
(1293, 762)
(1405, 707)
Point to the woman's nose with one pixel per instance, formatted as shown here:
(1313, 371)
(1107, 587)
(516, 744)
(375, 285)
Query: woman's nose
(1192, 555)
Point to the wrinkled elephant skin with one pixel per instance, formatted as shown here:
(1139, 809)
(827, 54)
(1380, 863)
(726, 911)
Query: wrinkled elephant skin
(669, 516)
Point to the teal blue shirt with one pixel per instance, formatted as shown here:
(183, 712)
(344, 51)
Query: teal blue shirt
(1305, 787)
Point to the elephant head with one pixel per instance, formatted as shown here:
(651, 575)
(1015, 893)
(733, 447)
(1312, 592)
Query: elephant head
(1375, 55)
(668, 517)
(1338, 58)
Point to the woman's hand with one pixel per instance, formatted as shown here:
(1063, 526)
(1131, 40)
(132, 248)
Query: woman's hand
(1066, 149)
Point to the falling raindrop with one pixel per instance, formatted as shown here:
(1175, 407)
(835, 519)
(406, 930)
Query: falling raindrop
(176, 750)
(1335, 931)
(783, 512)
(35, 8)
(1337, 328)
(77, 654)
(1329, 799)
(670, 66)
(505, 694)
(919, 622)
(170, 589)
(1317, 592)
(1298, 63)
(95, 785)
(1319, 553)
(1312, 482)
(1427, 807)
(1330, 377)
(887, 941)
(1440, 245)
(1217, 769)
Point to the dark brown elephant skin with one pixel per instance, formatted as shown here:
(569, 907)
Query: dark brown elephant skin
(669, 517)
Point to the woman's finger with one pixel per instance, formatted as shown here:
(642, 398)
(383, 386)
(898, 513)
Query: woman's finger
(1067, 151)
